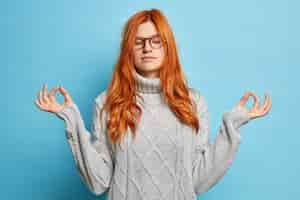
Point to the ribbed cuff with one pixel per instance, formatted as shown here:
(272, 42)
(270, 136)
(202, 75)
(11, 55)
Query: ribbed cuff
(240, 116)
(69, 115)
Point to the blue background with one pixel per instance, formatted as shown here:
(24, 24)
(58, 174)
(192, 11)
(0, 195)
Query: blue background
(225, 47)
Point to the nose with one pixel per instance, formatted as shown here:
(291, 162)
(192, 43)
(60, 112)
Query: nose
(147, 46)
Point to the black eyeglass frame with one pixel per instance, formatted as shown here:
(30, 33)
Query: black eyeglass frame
(144, 39)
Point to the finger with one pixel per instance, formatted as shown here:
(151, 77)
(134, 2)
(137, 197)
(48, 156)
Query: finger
(244, 99)
(41, 101)
(52, 93)
(38, 104)
(256, 101)
(266, 102)
(38, 97)
(65, 94)
(266, 111)
(267, 106)
(45, 93)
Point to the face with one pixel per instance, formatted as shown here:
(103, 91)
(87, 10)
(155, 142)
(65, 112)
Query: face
(149, 53)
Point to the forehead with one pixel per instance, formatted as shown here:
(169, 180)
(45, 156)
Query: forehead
(146, 29)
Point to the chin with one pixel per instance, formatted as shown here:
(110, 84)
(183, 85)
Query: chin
(149, 67)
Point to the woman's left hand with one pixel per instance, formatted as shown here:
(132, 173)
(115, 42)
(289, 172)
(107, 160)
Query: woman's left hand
(256, 110)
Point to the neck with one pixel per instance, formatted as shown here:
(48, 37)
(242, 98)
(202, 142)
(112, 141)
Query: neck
(147, 84)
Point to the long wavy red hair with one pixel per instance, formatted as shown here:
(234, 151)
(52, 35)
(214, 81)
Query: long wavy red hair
(121, 104)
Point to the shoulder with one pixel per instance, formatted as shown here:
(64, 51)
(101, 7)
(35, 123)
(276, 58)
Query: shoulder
(194, 93)
(197, 96)
(99, 103)
(100, 98)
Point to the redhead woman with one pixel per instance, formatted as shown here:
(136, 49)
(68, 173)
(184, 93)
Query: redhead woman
(150, 130)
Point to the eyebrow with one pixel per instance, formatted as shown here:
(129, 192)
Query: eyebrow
(138, 37)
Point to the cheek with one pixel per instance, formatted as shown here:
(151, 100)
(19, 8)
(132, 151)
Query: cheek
(161, 54)
(136, 56)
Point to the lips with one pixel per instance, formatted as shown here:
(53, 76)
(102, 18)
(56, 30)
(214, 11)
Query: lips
(148, 57)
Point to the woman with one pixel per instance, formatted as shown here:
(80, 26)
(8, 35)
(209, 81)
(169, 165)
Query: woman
(150, 131)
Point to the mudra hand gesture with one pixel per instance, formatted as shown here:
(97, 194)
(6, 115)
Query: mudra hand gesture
(47, 101)
(256, 110)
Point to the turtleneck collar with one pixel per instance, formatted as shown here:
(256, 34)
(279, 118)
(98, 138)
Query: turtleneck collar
(147, 85)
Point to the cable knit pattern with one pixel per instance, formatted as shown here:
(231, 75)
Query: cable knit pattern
(166, 161)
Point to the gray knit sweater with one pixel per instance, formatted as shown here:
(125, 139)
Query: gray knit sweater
(165, 162)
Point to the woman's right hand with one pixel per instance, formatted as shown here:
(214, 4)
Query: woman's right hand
(47, 101)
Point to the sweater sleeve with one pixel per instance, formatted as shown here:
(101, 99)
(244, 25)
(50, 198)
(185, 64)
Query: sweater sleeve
(91, 152)
(211, 161)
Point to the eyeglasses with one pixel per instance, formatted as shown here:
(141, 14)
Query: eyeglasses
(155, 42)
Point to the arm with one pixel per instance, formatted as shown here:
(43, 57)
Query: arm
(211, 161)
(91, 152)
